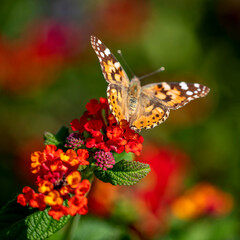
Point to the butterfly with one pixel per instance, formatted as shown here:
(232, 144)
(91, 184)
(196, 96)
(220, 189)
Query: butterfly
(144, 107)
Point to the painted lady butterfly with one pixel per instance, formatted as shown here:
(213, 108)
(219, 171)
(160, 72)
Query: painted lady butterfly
(143, 107)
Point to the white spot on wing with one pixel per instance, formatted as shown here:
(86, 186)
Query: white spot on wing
(117, 65)
(196, 85)
(99, 42)
(189, 93)
(183, 85)
(107, 52)
(102, 54)
(166, 86)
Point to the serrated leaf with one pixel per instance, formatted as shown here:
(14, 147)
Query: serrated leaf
(123, 173)
(123, 156)
(17, 222)
(57, 139)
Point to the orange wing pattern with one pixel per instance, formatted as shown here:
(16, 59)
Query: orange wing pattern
(111, 68)
(117, 99)
(150, 113)
(175, 94)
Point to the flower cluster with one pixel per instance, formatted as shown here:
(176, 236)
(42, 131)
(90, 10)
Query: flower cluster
(58, 179)
(58, 172)
(74, 141)
(103, 131)
(104, 159)
(202, 199)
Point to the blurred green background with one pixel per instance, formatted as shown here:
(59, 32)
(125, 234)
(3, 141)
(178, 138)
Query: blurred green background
(48, 72)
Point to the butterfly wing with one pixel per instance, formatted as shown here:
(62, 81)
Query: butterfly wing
(116, 77)
(150, 112)
(174, 95)
(111, 68)
(157, 99)
(117, 99)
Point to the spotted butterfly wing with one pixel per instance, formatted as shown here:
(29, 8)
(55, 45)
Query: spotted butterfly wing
(174, 95)
(150, 113)
(157, 99)
(115, 76)
(111, 67)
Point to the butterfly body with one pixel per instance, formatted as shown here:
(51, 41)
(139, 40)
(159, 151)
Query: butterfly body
(146, 106)
(134, 91)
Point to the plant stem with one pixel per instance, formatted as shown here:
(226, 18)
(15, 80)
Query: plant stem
(71, 228)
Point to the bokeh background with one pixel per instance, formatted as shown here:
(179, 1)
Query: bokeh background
(48, 72)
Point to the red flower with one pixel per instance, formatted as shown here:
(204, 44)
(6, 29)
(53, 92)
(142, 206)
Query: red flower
(134, 146)
(82, 188)
(37, 201)
(78, 125)
(93, 107)
(77, 204)
(75, 124)
(105, 133)
(114, 132)
(94, 127)
(83, 156)
(103, 103)
(58, 211)
(24, 198)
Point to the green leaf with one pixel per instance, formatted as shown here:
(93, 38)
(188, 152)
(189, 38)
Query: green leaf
(18, 222)
(57, 139)
(123, 173)
(123, 156)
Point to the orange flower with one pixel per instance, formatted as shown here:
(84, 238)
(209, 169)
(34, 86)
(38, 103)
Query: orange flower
(64, 190)
(58, 166)
(201, 200)
(37, 159)
(74, 179)
(52, 152)
(70, 156)
(45, 186)
(53, 198)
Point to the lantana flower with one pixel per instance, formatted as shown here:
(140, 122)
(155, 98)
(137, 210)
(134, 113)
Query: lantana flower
(59, 171)
(103, 131)
(57, 179)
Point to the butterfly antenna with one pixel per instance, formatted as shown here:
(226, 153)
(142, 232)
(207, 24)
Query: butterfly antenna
(125, 62)
(161, 69)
